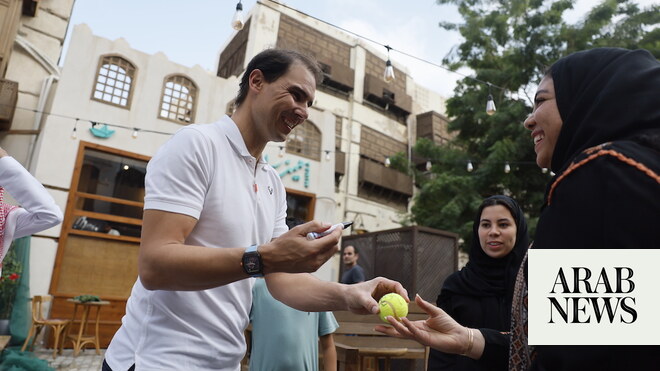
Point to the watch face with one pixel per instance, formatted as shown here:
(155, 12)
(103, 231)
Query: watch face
(252, 263)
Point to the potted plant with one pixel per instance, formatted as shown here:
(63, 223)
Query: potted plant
(11, 272)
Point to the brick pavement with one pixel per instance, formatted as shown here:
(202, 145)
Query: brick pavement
(87, 360)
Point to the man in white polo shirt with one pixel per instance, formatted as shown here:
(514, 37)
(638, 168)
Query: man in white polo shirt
(215, 215)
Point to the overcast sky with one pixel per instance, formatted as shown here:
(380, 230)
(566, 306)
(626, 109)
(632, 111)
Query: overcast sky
(193, 31)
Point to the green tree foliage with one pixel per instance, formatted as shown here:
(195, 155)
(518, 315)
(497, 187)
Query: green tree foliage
(509, 44)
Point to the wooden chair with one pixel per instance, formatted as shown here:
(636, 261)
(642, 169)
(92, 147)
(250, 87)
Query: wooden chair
(39, 322)
(4, 340)
(368, 359)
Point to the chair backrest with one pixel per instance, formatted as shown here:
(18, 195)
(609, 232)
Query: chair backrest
(37, 307)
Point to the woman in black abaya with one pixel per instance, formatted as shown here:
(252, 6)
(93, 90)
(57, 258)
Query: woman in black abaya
(596, 124)
(479, 295)
(606, 194)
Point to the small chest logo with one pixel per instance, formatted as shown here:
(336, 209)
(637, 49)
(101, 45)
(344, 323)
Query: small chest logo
(270, 190)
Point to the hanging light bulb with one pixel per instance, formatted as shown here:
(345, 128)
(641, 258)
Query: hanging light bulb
(544, 170)
(490, 105)
(507, 168)
(387, 161)
(281, 154)
(237, 21)
(429, 165)
(389, 71)
(327, 155)
(74, 133)
(388, 75)
(470, 167)
(135, 133)
(552, 173)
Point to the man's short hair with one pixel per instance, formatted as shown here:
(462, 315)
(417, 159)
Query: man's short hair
(274, 63)
(355, 250)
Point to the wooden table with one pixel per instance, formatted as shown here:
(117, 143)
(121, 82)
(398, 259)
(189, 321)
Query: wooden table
(82, 337)
(355, 339)
(352, 349)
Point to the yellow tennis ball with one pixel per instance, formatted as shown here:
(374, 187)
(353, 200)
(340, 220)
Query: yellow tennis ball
(393, 305)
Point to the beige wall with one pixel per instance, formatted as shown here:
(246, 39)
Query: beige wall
(34, 58)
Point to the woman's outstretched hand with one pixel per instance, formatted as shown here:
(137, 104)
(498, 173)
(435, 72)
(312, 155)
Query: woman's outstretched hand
(439, 331)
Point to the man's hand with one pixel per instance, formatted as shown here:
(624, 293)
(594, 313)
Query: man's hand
(362, 297)
(292, 252)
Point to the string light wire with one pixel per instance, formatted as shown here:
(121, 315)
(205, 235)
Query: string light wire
(279, 146)
(389, 47)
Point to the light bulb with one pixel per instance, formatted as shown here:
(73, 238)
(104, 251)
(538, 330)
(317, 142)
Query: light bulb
(552, 173)
(388, 75)
(544, 170)
(135, 133)
(237, 20)
(470, 167)
(327, 155)
(281, 154)
(387, 162)
(126, 167)
(74, 133)
(490, 106)
(429, 165)
(507, 168)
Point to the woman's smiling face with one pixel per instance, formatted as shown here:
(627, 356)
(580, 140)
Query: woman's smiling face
(544, 122)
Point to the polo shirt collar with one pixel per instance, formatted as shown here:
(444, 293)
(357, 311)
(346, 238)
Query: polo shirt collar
(236, 139)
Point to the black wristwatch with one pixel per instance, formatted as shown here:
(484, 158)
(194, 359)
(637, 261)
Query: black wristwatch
(251, 262)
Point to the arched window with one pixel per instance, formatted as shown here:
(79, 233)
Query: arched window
(114, 81)
(178, 99)
(305, 140)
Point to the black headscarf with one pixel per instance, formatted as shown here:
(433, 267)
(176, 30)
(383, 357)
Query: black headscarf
(604, 94)
(486, 276)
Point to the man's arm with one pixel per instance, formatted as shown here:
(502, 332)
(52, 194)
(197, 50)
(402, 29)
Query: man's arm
(309, 294)
(329, 352)
(167, 263)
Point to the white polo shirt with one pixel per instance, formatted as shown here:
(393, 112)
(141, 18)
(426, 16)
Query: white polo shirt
(204, 171)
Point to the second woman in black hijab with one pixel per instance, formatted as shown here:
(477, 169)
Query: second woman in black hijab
(479, 295)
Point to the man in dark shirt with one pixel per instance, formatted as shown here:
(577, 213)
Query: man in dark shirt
(353, 273)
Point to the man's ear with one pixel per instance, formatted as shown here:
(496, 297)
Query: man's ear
(256, 80)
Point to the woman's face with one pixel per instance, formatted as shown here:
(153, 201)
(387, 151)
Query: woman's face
(497, 231)
(544, 122)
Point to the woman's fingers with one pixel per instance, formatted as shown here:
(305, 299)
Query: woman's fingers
(429, 308)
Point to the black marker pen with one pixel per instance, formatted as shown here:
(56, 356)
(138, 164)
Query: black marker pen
(315, 235)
